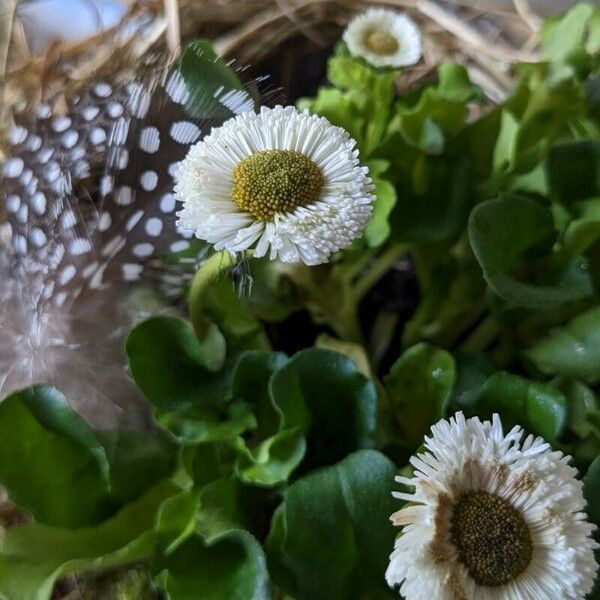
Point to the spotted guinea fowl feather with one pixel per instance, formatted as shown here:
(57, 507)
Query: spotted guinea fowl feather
(78, 239)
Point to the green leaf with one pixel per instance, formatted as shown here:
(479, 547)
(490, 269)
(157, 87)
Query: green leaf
(591, 490)
(176, 520)
(378, 229)
(419, 385)
(437, 207)
(351, 73)
(227, 504)
(473, 371)
(138, 460)
(232, 567)
(454, 84)
(250, 382)
(538, 407)
(274, 296)
(505, 149)
(506, 235)
(593, 42)
(567, 162)
(169, 364)
(352, 350)
(325, 395)
(34, 556)
(331, 537)
(204, 424)
(171, 367)
(371, 92)
(440, 111)
(581, 403)
(547, 100)
(498, 246)
(572, 350)
(451, 290)
(202, 463)
(556, 97)
(50, 462)
(563, 38)
(273, 460)
(273, 451)
(583, 232)
(214, 87)
(223, 304)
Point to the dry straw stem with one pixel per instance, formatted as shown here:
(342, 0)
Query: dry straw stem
(7, 15)
(173, 29)
(487, 36)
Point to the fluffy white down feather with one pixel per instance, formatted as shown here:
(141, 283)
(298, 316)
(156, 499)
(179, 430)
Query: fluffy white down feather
(78, 349)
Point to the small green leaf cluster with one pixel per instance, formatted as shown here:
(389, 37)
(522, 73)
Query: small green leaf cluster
(497, 206)
(193, 500)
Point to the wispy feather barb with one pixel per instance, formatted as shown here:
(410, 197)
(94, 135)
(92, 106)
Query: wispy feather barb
(90, 208)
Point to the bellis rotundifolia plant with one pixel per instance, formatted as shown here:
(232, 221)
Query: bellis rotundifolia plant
(311, 394)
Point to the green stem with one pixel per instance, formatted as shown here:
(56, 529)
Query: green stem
(382, 265)
(347, 326)
(205, 276)
(337, 303)
(504, 354)
(482, 337)
(356, 265)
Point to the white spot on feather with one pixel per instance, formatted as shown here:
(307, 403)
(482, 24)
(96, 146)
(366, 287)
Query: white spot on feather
(143, 250)
(38, 203)
(79, 246)
(17, 135)
(60, 124)
(149, 180)
(149, 139)
(154, 226)
(184, 132)
(167, 203)
(13, 167)
(66, 274)
(176, 87)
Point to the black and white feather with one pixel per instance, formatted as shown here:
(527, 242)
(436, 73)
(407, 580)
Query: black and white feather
(89, 204)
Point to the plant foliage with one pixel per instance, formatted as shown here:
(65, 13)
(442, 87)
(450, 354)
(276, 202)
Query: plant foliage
(270, 469)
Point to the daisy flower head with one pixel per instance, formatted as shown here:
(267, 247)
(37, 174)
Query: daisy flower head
(278, 182)
(492, 516)
(384, 38)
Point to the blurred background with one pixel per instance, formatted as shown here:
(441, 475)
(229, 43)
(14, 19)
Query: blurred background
(46, 21)
(51, 48)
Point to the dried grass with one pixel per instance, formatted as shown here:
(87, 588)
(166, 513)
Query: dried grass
(488, 37)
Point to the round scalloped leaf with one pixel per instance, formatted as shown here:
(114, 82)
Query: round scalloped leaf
(327, 397)
(50, 462)
(331, 537)
(173, 369)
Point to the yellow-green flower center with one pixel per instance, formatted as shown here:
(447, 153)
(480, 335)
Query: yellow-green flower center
(492, 538)
(382, 43)
(275, 181)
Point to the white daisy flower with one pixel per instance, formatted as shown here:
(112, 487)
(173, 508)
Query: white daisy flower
(385, 38)
(279, 182)
(491, 517)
